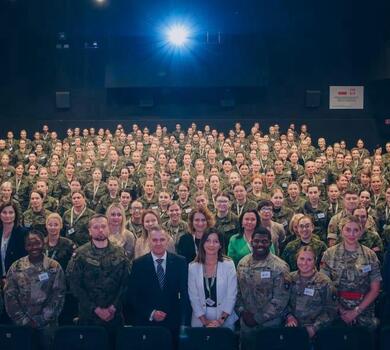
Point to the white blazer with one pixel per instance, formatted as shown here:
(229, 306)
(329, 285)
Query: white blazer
(226, 291)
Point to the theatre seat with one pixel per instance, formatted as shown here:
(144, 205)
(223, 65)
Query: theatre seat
(16, 338)
(208, 339)
(385, 338)
(282, 338)
(344, 338)
(81, 338)
(143, 338)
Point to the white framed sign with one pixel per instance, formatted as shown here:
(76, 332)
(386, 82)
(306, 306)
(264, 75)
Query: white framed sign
(346, 97)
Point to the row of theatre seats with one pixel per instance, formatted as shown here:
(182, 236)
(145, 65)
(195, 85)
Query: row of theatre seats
(158, 338)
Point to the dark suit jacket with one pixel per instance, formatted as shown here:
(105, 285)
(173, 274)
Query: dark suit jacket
(186, 247)
(15, 249)
(146, 294)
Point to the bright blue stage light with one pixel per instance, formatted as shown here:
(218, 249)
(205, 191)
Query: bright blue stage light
(178, 35)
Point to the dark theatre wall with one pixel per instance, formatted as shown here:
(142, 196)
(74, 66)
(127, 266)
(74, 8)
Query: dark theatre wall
(314, 48)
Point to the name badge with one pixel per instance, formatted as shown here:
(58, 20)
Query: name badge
(323, 181)
(71, 231)
(154, 207)
(210, 302)
(176, 180)
(366, 268)
(321, 215)
(188, 210)
(284, 185)
(27, 224)
(309, 292)
(43, 277)
(265, 274)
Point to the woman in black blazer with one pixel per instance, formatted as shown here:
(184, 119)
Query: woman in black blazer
(11, 237)
(199, 221)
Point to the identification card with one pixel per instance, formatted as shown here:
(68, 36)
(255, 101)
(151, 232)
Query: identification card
(321, 215)
(71, 231)
(43, 277)
(309, 292)
(265, 274)
(188, 210)
(366, 268)
(210, 302)
(154, 207)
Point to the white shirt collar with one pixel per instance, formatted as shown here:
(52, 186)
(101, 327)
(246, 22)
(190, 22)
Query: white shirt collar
(164, 257)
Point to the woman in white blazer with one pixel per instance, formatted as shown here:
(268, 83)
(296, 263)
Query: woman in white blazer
(212, 284)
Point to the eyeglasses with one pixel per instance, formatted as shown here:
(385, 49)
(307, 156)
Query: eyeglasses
(266, 209)
(305, 226)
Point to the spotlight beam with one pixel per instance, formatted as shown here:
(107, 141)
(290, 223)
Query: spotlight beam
(177, 35)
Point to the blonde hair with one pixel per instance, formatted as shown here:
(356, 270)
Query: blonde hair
(54, 216)
(122, 210)
(294, 220)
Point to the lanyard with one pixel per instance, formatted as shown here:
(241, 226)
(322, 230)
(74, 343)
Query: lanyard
(95, 189)
(53, 255)
(207, 283)
(239, 210)
(77, 218)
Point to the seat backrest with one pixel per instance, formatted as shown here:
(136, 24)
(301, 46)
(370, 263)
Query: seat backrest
(385, 338)
(344, 338)
(15, 337)
(81, 338)
(208, 339)
(282, 338)
(143, 338)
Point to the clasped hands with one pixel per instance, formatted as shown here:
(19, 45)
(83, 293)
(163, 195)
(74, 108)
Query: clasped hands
(106, 314)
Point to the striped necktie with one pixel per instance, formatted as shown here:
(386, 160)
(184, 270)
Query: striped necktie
(160, 273)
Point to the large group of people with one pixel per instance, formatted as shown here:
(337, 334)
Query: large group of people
(193, 228)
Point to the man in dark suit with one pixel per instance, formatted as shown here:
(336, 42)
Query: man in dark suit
(159, 286)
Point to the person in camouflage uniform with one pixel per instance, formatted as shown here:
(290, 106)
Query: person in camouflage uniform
(95, 189)
(66, 201)
(305, 238)
(263, 288)
(175, 226)
(57, 247)
(354, 269)
(369, 238)
(34, 290)
(313, 298)
(134, 225)
(111, 197)
(35, 217)
(98, 276)
(49, 203)
(76, 219)
(226, 222)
